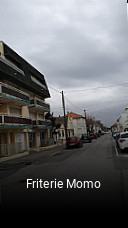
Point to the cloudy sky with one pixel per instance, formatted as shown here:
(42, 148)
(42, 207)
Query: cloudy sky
(79, 45)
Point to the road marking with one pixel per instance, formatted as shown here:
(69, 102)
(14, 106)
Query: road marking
(115, 147)
(116, 150)
(54, 154)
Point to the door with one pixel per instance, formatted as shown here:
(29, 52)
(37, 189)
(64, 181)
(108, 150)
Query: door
(42, 142)
(31, 139)
(20, 138)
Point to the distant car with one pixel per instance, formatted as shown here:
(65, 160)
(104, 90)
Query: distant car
(73, 142)
(86, 138)
(93, 136)
(97, 134)
(122, 140)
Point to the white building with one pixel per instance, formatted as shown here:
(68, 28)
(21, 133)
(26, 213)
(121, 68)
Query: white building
(122, 122)
(60, 135)
(78, 123)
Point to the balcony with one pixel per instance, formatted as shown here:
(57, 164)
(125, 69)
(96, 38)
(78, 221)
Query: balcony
(12, 120)
(9, 92)
(39, 104)
(41, 123)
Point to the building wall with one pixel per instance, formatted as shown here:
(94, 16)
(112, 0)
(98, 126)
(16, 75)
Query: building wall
(79, 126)
(25, 111)
(75, 127)
(122, 123)
(70, 127)
(1, 50)
(23, 91)
(4, 108)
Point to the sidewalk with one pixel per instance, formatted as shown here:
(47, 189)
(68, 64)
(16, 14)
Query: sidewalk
(26, 153)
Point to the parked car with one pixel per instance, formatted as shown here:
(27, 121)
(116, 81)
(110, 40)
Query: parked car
(122, 140)
(115, 134)
(73, 142)
(86, 138)
(93, 136)
(97, 134)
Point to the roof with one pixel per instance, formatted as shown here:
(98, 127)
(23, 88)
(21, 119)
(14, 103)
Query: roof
(74, 115)
(90, 121)
(17, 70)
(59, 120)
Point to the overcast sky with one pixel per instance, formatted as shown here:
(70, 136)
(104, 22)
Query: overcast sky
(79, 45)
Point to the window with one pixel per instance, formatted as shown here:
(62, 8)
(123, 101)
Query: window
(72, 138)
(40, 117)
(15, 111)
(124, 135)
(62, 133)
(32, 115)
(15, 64)
(59, 133)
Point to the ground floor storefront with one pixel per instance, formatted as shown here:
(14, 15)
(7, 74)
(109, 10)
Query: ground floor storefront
(13, 141)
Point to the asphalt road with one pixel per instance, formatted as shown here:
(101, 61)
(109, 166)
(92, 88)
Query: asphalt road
(93, 177)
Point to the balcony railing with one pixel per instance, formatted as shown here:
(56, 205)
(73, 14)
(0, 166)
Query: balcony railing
(14, 120)
(43, 104)
(41, 122)
(13, 92)
(37, 102)
(45, 122)
(11, 120)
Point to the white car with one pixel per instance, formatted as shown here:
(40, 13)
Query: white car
(122, 140)
(115, 133)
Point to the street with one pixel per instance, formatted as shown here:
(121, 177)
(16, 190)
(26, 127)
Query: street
(98, 162)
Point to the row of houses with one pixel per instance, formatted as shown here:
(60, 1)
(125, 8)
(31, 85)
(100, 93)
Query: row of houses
(121, 123)
(25, 119)
(76, 126)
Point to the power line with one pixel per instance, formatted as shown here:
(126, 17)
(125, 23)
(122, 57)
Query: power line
(119, 84)
(92, 106)
(73, 104)
(55, 89)
(65, 97)
(95, 88)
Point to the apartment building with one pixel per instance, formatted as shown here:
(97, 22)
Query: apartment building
(23, 91)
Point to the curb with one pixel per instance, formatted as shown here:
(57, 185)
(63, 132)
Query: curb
(26, 153)
(42, 148)
(14, 156)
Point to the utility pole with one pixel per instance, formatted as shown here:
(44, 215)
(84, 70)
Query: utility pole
(65, 121)
(85, 119)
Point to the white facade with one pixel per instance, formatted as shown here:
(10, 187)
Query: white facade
(79, 126)
(123, 121)
(75, 127)
(60, 136)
